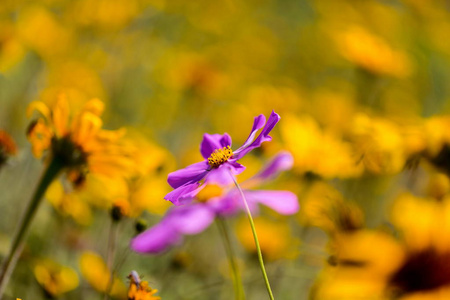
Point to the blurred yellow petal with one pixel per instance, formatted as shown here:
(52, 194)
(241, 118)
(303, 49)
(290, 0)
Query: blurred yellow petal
(40, 107)
(94, 106)
(85, 127)
(55, 278)
(60, 115)
(95, 271)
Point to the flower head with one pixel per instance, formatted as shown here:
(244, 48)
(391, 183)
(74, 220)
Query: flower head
(139, 289)
(54, 278)
(77, 140)
(213, 201)
(220, 161)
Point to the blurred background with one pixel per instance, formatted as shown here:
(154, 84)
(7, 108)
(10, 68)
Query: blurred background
(362, 91)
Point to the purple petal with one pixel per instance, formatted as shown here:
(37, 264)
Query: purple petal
(156, 239)
(283, 161)
(262, 137)
(283, 202)
(227, 205)
(190, 174)
(258, 123)
(191, 219)
(223, 174)
(213, 142)
(183, 194)
(236, 168)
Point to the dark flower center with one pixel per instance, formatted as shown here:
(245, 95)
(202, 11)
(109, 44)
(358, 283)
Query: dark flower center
(422, 271)
(69, 153)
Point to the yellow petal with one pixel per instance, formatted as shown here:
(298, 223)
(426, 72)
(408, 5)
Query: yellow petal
(40, 107)
(96, 272)
(40, 137)
(60, 114)
(94, 106)
(85, 127)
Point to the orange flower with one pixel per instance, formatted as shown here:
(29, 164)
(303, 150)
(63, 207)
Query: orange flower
(78, 141)
(140, 290)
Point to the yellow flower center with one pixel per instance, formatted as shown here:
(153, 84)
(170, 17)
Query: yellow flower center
(219, 156)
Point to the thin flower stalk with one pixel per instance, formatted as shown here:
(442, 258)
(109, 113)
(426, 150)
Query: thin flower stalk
(52, 171)
(237, 280)
(255, 236)
(110, 257)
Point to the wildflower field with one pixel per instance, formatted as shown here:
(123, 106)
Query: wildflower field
(157, 149)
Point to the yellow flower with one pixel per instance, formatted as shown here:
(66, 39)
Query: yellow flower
(54, 278)
(140, 290)
(324, 207)
(77, 141)
(437, 137)
(11, 50)
(40, 30)
(95, 271)
(372, 53)
(317, 151)
(68, 203)
(379, 144)
(357, 268)
(371, 264)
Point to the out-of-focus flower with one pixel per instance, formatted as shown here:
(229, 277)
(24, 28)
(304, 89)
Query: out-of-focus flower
(95, 271)
(145, 190)
(361, 263)
(139, 289)
(7, 147)
(324, 207)
(40, 30)
(69, 203)
(372, 53)
(220, 162)
(438, 142)
(379, 144)
(317, 151)
(11, 49)
(438, 186)
(214, 201)
(107, 15)
(416, 266)
(54, 278)
(77, 140)
(193, 73)
(275, 238)
(424, 227)
(436, 134)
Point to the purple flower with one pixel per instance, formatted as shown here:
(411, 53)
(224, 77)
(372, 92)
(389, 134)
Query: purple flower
(220, 162)
(196, 216)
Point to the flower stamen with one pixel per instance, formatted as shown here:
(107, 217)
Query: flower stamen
(219, 156)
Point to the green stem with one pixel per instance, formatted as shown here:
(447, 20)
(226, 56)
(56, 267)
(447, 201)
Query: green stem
(52, 171)
(237, 281)
(110, 257)
(255, 236)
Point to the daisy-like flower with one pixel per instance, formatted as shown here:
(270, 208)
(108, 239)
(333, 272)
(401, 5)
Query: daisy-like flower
(220, 161)
(215, 201)
(139, 289)
(77, 141)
